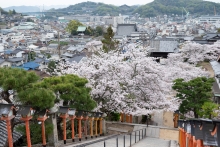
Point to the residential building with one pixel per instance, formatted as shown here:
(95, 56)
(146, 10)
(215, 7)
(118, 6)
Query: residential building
(209, 19)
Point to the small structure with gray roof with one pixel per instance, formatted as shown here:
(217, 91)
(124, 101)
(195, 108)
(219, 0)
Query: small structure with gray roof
(125, 30)
(16, 61)
(216, 85)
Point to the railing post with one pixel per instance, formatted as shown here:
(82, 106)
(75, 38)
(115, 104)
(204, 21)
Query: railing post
(135, 136)
(145, 132)
(139, 135)
(130, 140)
(124, 140)
(104, 143)
(142, 133)
(117, 141)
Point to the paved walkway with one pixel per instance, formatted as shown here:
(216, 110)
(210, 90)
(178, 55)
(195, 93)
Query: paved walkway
(152, 142)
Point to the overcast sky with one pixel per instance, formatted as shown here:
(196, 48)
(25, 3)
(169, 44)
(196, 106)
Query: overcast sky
(7, 3)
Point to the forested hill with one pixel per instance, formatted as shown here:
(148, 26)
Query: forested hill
(195, 7)
(97, 8)
(157, 7)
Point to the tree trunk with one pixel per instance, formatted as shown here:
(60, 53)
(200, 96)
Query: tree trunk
(196, 114)
(5, 95)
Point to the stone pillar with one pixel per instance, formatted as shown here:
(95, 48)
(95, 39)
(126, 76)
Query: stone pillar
(53, 137)
(104, 126)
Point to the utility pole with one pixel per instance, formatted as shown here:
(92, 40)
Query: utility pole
(58, 33)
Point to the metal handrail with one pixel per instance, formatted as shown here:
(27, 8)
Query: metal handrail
(96, 141)
(141, 134)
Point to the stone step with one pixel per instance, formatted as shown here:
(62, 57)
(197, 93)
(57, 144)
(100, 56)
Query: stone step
(117, 130)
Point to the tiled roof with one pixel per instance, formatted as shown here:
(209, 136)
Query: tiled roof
(15, 59)
(126, 29)
(216, 67)
(4, 134)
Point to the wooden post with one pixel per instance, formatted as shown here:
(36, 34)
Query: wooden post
(26, 119)
(72, 127)
(96, 127)
(85, 125)
(175, 120)
(122, 117)
(73, 132)
(199, 143)
(131, 118)
(189, 140)
(194, 142)
(64, 130)
(10, 139)
(180, 137)
(42, 120)
(28, 133)
(80, 127)
(91, 126)
(43, 134)
(100, 126)
(64, 117)
(127, 118)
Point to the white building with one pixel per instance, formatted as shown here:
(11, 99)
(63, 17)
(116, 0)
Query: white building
(110, 20)
(47, 28)
(209, 19)
(17, 37)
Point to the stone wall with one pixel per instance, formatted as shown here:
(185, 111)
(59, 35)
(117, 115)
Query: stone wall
(161, 132)
(169, 134)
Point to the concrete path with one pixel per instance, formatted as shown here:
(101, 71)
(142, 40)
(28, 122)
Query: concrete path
(152, 142)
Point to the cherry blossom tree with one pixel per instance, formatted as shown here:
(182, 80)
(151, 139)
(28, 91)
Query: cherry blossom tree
(131, 82)
(194, 53)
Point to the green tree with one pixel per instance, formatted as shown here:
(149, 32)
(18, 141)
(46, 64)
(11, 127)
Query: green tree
(20, 81)
(38, 98)
(51, 67)
(13, 11)
(15, 79)
(99, 31)
(72, 26)
(209, 110)
(89, 31)
(10, 12)
(35, 131)
(70, 88)
(31, 56)
(108, 42)
(193, 93)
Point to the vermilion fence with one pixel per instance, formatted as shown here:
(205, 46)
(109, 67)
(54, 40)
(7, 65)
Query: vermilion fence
(199, 133)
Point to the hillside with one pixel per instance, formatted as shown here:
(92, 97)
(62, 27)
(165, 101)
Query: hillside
(23, 8)
(195, 7)
(157, 7)
(3, 11)
(97, 9)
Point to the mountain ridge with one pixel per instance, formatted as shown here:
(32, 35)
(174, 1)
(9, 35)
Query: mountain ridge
(157, 7)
